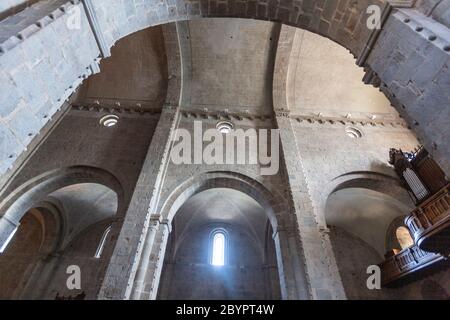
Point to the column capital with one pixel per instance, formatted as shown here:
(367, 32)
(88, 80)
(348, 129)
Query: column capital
(166, 223)
(289, 231)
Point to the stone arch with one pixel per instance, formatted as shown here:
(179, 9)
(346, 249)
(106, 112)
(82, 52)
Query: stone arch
(368, 180)
(377, 183)
(361, 179)
(276, 205)
(341, 22)
(104, 22)
(371, 180)
(28, 195)
(44, 282)
(106, 223)
(359, 208)
(53, 223)
(41, 192)
(23, 257)
(293, 278)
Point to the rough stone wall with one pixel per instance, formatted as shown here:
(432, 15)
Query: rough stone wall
(19, 258)
(47, 22)
(437, 9)
(410, 45)
(135, 76)
(328, 153)
(37, 75)
(339, 20)
(234, 73)
(51, 279)
(79, 140)
(123, 23)
(148, 268)
(8, 7)
(132, 239)
(353, 256)
(181, 173)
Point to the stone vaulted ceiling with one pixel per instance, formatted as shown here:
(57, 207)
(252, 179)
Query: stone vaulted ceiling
(44, 60)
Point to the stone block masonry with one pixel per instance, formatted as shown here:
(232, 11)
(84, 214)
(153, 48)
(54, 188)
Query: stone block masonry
(43, 58)
(412, 56)
(39, 68)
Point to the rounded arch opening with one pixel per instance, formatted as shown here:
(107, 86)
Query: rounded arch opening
(14, 205)
(364, 213)
(218, 247)
(359, 213)
(38, 235)
(221, 205)
(274, 203)
(60, 208)
(398, 236)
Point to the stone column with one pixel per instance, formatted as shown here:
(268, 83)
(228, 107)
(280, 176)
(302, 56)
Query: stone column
(120, 275)
(147, 278)
(291, 269)
(155, 263)
(321, 269)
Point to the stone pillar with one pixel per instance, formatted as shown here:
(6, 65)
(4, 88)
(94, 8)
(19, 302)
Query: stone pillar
(120, 275)
(41, 278)
(291, 269)
(154, 248)
(155, 263)
(321, 269)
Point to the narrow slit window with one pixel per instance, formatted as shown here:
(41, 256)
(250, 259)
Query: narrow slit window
(101, 245)
(218, 249)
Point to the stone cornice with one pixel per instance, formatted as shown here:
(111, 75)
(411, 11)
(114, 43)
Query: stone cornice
(225, 115)
(237, 116)
(347, 120)
(114, 109)
(396, 123)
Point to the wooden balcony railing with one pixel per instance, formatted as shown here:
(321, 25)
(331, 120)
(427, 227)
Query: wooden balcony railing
(429, 223)
(408, 261)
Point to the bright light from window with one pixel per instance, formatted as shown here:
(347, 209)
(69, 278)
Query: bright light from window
(2, 249)
(404, 237)
(218, 249)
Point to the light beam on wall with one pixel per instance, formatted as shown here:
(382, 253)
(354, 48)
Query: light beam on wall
(218, 253)
(8, 240)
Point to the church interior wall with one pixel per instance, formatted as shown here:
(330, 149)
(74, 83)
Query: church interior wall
(224, 71)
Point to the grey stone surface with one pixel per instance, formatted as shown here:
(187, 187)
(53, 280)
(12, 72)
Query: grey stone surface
(43, 61)
(414, 68)
(338, 21)
(70, 146)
